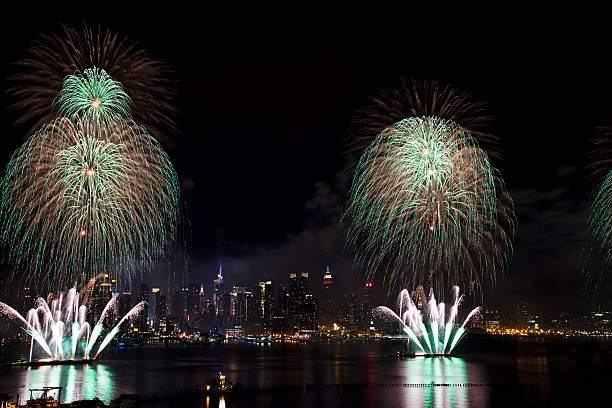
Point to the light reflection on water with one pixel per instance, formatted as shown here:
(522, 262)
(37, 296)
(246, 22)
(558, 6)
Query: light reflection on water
(159, 369)
(87, 381)
(455, 373)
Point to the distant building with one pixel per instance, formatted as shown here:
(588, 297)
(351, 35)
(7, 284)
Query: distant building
(218, 292)
(161, 314)
(366, 307)
(309, 317)
(491, 318)
(142, 320)
(522, 315)
(178, 305)
(153, 316)
(283, 301)
(329, 309)
(264, 305)
(28, 301)
(102, 294)
(202, 299)
(303, 310)
(193, 304)
(125, 303)
(418, 297)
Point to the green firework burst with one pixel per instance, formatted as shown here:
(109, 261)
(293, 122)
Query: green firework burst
(79, 199)
(426, 207)
(93, 95)
(600, 229)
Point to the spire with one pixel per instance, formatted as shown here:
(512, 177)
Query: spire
(327, 277)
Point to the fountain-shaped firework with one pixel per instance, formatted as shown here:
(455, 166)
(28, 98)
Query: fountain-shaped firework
(61, 328)
(433, 330)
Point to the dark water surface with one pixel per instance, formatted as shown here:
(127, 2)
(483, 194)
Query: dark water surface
(486, 372)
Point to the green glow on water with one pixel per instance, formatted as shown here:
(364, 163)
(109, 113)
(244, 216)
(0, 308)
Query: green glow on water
(428, 371)
(85, 381)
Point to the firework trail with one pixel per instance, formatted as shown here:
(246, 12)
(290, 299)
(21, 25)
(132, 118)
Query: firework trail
(39, 77)
(600, 241)
(426, 208)
(79, 199)
(597, 254)
(423, 98)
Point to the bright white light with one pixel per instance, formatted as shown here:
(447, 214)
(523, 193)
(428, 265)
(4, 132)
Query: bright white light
(95, 104)
(89, 172)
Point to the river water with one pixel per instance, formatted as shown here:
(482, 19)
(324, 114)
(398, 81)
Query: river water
(486, 372)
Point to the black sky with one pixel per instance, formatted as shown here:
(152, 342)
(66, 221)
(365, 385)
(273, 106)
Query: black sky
(266, 103)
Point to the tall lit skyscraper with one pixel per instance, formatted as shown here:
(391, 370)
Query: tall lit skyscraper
(153, 317)
(218, 291)
(327, 279)
(328, 304)
(265, 302)
(201, 298)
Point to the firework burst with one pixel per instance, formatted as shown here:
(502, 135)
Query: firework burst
(600, 229)
(40, 76)
(598, 250)
(426, 207)
(79, 200)
(93, 95)
(423, 98)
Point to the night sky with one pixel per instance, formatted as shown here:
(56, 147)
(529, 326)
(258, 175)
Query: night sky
(265, 110)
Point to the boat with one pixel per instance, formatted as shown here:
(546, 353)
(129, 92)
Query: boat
(44, 400)
(219, 385)
(45, 362)
(403, 354)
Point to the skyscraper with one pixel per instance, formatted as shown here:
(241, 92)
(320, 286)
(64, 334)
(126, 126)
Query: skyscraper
(153, 308)
(161, 312)
(522, 315)
(328, 303)
(102, 294)
(302, 307)
(142, 321)
(125, 303)
(193, 303)
(327, 279)
(263, 310)
(218, 292)
(202, 299)
(28, 301)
